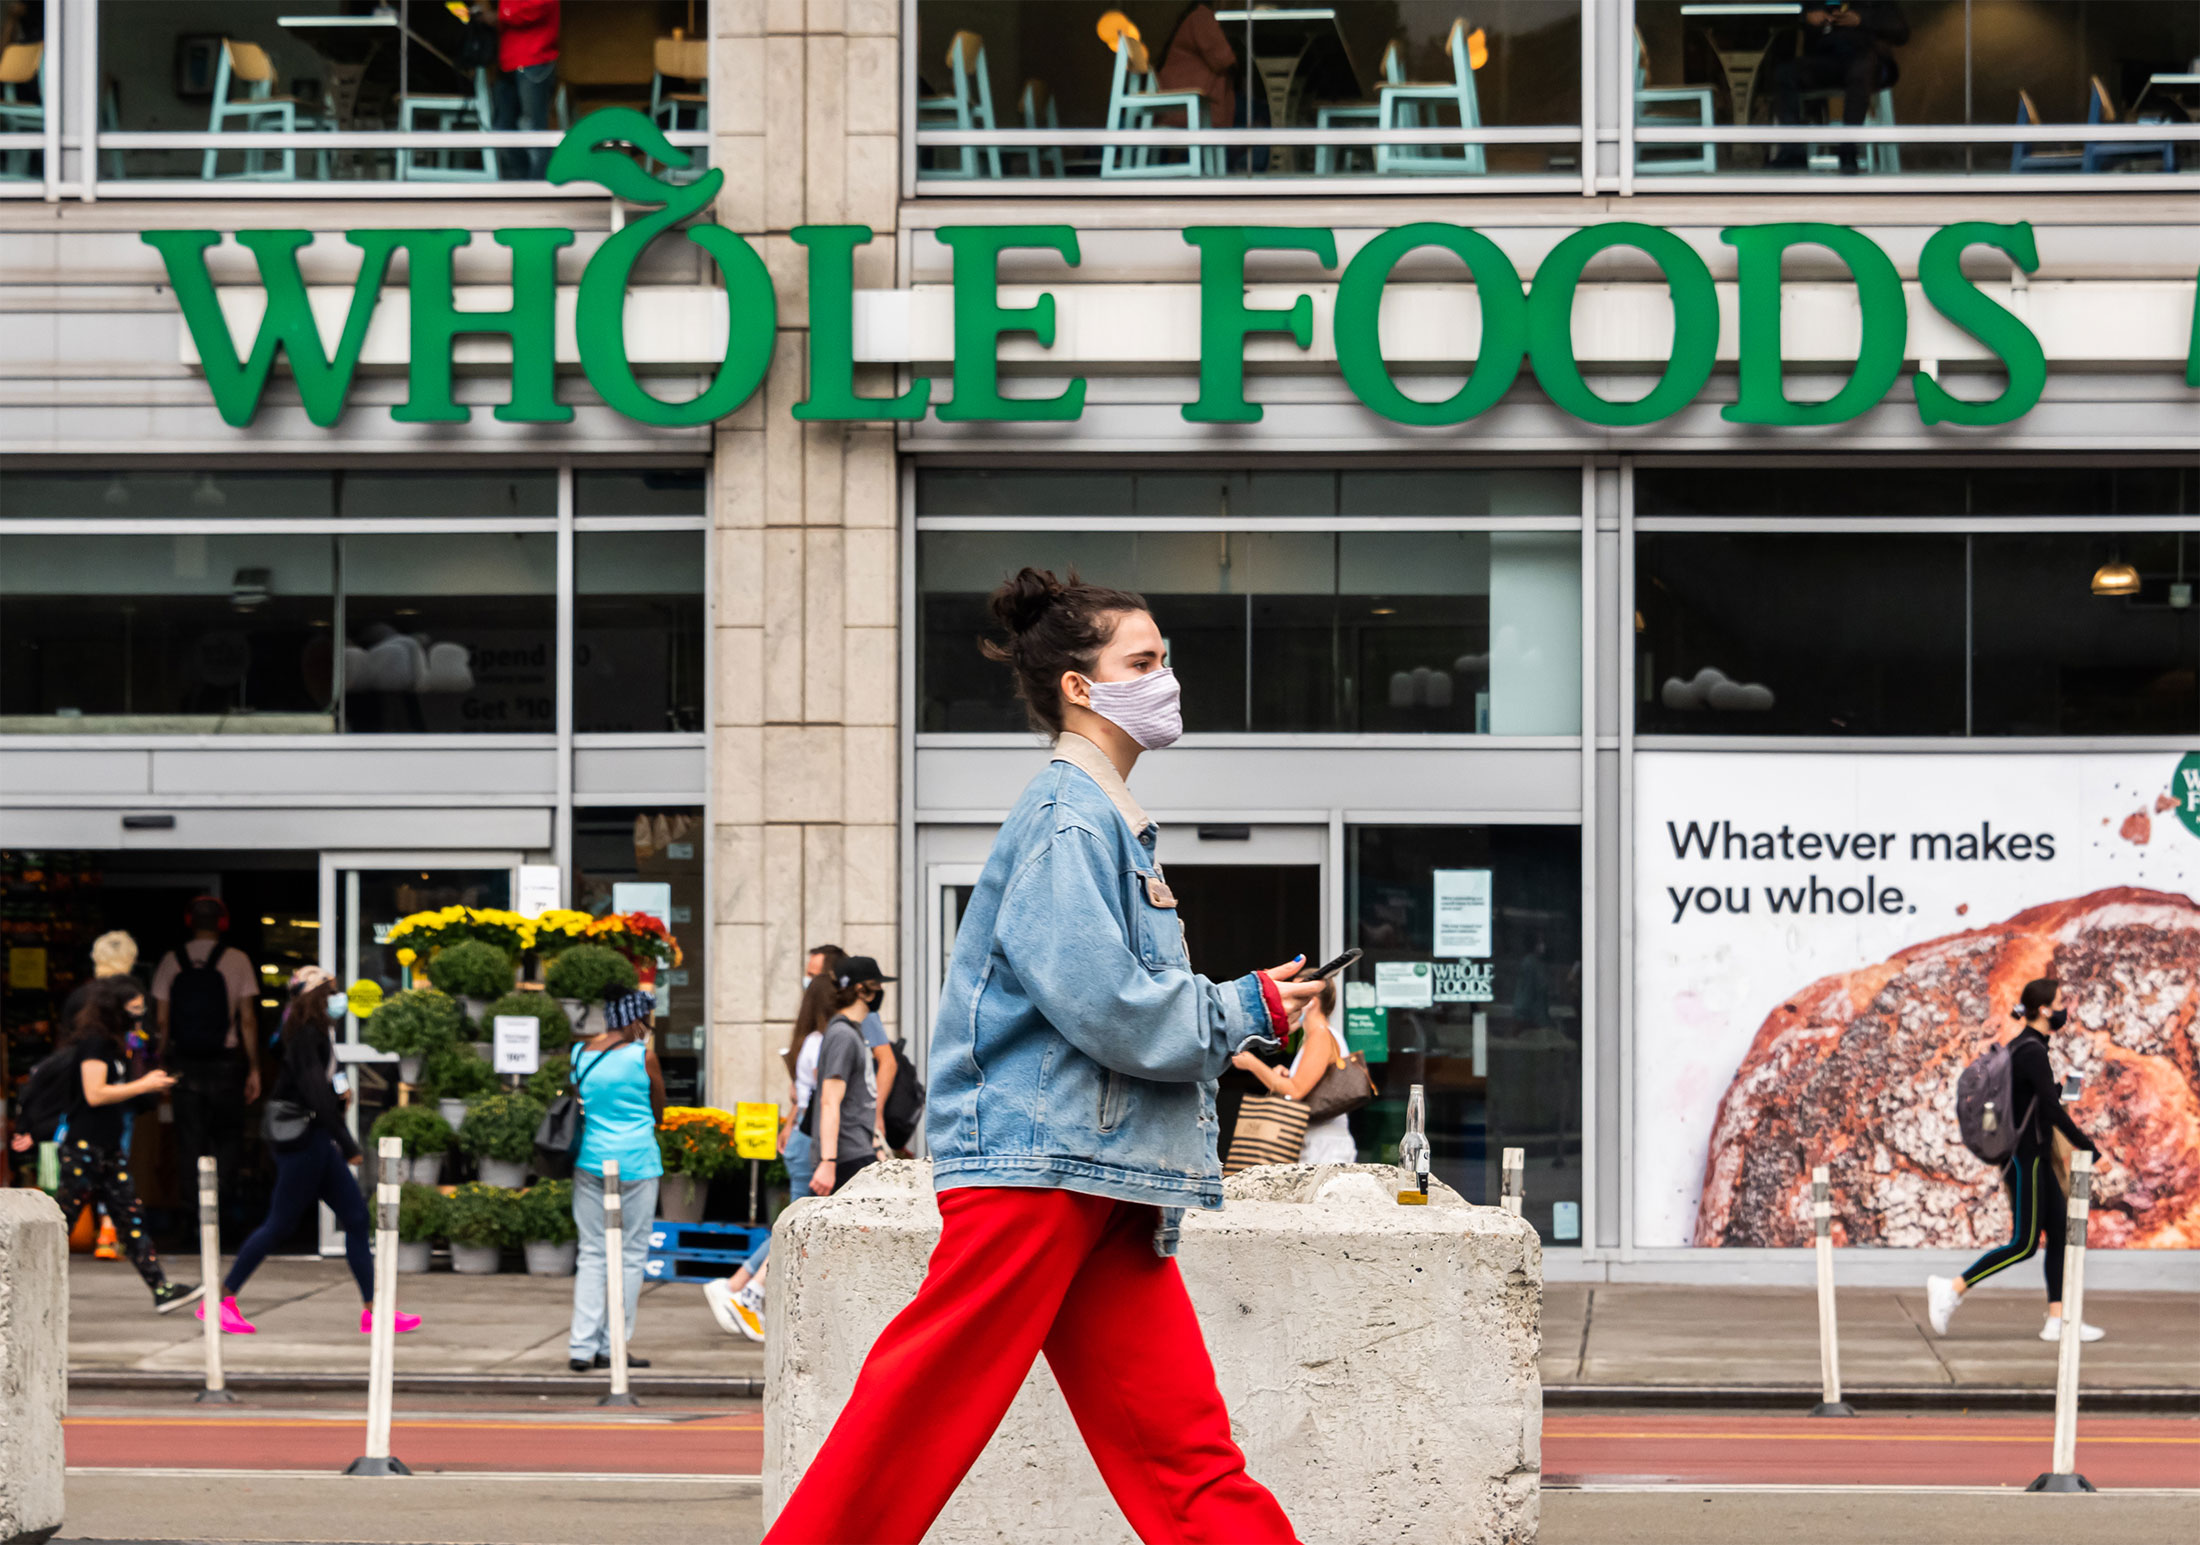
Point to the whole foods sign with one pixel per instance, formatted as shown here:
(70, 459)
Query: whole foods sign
(1524, 327)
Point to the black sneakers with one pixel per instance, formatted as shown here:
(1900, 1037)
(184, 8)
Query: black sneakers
(603, 1360)
(170, 1296)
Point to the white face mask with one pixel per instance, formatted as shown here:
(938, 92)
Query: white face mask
(1146, 708)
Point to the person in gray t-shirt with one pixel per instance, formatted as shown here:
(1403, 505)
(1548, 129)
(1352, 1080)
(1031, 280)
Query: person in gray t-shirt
(847, 1099)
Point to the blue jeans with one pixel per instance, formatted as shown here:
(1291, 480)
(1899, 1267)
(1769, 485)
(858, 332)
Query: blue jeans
(521, 100)
(800, 1157)
(591, 1333)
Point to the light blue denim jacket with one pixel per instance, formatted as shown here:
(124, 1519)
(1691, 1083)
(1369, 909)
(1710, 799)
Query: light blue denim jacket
(1075, 1047)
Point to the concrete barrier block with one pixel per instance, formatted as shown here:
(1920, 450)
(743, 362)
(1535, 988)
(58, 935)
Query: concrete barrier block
(1379, 1361)
(34, 1375)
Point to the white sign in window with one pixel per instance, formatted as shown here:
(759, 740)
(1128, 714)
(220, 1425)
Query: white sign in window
(1462, 913)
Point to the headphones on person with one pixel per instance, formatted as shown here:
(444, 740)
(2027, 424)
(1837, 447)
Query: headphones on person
(192, 906)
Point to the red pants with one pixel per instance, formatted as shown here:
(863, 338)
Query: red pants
(1017, 1272)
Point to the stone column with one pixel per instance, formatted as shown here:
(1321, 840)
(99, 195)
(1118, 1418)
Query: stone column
(804, 112)
(34, 1354)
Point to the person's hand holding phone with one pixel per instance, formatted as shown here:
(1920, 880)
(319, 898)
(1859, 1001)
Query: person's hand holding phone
(1295, 991)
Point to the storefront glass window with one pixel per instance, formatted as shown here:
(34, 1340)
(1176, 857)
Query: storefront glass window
(309, 67)
(1256, 495)
(1889, 633)
(652, 491)
(451, 634)
(184, 634)
(637, 860)
(1883, 491)
(1462, 632)
(221, 494)
(1471, 987)
(638, 631)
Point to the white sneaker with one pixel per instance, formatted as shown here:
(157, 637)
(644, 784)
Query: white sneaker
(1941, 1299)
(719, 1296)
(748, 1310)
(2052, 1330)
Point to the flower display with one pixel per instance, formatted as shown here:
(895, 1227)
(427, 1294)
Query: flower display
(427, 932)
(697, 1140)
(638, 936)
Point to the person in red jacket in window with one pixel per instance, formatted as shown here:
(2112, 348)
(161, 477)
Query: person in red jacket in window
(527, 61)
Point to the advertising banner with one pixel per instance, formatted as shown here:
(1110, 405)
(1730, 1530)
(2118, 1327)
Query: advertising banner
(1824, 940)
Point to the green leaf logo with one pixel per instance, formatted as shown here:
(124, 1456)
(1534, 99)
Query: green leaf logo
(2184, 787)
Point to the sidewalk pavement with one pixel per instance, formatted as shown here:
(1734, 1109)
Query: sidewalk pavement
(1625, 1340)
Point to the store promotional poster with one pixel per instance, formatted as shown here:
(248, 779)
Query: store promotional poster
(1824, 941)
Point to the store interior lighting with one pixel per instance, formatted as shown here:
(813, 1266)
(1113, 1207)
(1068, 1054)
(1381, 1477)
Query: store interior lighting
(2116, 577)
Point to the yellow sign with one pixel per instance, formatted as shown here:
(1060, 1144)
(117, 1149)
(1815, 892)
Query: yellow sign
(756, 1130)
(27, 969)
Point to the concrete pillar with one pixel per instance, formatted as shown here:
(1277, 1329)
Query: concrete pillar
(804, 112)
(34, 1354)
(1379, 1361)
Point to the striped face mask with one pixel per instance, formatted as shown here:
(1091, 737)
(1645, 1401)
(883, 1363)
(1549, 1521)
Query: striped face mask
(1146, 708)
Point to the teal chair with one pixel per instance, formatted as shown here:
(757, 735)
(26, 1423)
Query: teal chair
(1400, 107)
(684, 62)
(1366, 115)
(445, 115)
(969, 107)
(1680, 159)
(20, 64)
(1037, 106)
(1134, 103)
(1879, 160)
(259, 111)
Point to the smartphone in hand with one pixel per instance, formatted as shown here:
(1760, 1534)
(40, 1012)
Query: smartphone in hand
(1343, 962)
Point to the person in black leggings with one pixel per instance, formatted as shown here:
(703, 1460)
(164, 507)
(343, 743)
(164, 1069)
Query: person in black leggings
(2036, 1202)
(314, 1167)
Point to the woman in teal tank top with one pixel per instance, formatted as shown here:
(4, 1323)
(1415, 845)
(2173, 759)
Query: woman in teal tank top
(622, 1094)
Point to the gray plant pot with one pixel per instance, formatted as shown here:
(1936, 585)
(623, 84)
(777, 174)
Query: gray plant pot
(414, 1255)
(476, 1260)
(680, 1198)
(586, 1018)
(408, 1069)
(452, 1111)
(473, 1008)
(503, 1172)
(547, 1259)
(423, 1170)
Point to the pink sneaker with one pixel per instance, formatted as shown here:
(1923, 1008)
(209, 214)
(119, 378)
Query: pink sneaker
(233, 1323)
(405, 1321)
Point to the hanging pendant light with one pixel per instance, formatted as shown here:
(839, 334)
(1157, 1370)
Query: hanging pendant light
(2116, 577)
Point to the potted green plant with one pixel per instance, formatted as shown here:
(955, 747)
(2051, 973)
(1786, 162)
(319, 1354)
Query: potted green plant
(474, 972)
(454, 1075)
(547, 1231)
(426, 1136)
(553, 1031)
(697, 1147)
(578, 978)
(479, 1222)
(420, 1223)
(413, 1025)
(499, 1131)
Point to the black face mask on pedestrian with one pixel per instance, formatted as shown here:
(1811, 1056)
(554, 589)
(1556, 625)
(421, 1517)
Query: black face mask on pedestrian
(2056, 1018)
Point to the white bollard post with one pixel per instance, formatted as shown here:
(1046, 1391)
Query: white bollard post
(1829, 1331)
(2065, 1476)
(614, 1257)
(210, 1265)
(382, 1339)
(1513, 1182)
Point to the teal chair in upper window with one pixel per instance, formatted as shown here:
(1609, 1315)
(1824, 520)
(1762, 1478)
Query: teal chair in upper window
(1363, 115)
(20, 64)
(1400, 107)
(259, 111)
(1878, 160)
(969, 107)
(1037, 106)
(445, 115)
(1682, 159)
(679, 97)
(1134, 103)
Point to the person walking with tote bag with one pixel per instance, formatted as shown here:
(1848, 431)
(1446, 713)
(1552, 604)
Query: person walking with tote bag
(1071, 1120)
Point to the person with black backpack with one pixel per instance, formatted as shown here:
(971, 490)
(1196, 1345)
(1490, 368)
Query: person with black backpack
(83, 1080)
(207, 996)
(2037, 1204)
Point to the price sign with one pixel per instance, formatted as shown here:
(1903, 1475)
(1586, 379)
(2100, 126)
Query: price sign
(755, 1130)
(518, 1043)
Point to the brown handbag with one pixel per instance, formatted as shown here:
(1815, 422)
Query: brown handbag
(1344, 1088)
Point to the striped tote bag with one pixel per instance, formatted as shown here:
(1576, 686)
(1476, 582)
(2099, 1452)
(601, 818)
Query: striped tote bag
(1270, 1130)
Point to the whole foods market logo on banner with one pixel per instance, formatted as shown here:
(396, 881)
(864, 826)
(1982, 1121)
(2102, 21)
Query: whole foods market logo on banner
(1823, 941)
(1522, 327)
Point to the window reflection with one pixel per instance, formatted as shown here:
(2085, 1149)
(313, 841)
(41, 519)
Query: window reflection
(638, 631)
(451, 634)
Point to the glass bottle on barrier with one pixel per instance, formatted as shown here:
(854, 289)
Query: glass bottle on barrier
(1413, 1149)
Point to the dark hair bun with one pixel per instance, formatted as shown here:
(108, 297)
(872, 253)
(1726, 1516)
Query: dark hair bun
(1023, 599)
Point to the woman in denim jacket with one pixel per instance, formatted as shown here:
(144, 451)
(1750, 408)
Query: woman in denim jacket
(1071, 1119)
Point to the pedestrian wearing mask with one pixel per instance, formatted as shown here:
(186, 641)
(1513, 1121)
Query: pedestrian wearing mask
(1071, 1119)
(93, 1165)
(625, 1099)
(871, 988)
(846, 1102)
(314, 1154)
(2037, 1204)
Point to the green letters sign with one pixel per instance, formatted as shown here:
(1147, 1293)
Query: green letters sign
(1531, 323)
